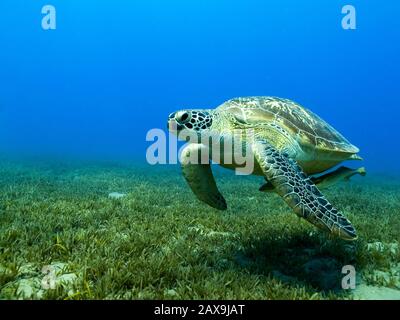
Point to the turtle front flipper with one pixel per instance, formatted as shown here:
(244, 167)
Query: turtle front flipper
(199, 176)
(299, 192)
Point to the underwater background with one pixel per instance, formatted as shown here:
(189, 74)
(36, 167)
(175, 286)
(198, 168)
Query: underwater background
(77, 102)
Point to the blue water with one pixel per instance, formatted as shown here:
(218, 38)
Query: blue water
(112, 70)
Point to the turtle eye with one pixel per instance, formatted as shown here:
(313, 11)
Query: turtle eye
(182, 117)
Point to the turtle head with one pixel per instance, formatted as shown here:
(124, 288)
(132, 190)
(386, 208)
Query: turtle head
(195, 121)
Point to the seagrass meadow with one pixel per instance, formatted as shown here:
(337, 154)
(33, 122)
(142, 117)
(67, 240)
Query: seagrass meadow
(127, 230)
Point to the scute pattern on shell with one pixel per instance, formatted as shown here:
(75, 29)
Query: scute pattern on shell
(299, 122)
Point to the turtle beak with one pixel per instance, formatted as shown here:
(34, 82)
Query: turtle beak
(171, 116)
(170, 122)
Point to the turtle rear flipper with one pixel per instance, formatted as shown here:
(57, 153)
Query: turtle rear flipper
(325, 180)
(299, 192)
(199, 176)
(340, 174)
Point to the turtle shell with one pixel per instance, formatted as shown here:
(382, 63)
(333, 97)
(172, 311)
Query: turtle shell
(305, 126)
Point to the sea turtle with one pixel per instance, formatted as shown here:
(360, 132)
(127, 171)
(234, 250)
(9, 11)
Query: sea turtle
(289, 145)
